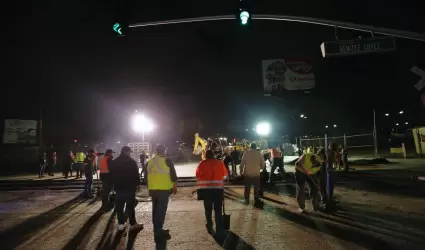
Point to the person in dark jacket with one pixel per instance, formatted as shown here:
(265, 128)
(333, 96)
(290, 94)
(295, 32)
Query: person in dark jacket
(236, 160)
(67, 165)
(143, 161)
(50, 163)
(42, 165)
(88, 173)
(124, 173)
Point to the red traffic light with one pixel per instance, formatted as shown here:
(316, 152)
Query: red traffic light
(75, 141)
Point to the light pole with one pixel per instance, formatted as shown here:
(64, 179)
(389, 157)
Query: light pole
(375, 136)
(142, 125)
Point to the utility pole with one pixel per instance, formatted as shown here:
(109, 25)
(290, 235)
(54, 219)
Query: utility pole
(375, 136)
(334, 24)
(40, 121)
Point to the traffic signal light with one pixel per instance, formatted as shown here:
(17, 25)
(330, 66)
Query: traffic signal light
(244, 13)
(118, 28)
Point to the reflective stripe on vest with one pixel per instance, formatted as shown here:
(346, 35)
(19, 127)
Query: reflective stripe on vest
(159, 174)
(308, 164)
(211, 169)
(104, 165)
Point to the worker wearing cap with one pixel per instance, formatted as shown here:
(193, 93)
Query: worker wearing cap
(306, 169)
(124, 174)
(78, 163)
(105, 178)
(161, 181)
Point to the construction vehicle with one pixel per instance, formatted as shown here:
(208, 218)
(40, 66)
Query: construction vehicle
(200, 146)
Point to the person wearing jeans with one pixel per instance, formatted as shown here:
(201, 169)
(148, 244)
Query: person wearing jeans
(88, 173)
(128, 200)
(161, 181)
(124, 175)
(42, 165)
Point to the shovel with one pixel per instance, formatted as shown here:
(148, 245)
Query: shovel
(226, 218)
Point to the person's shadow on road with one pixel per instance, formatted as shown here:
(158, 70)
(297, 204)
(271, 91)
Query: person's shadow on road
(161, 245)
(132, 238)
(233, 241)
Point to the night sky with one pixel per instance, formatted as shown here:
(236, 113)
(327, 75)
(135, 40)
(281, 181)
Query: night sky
(91, 80)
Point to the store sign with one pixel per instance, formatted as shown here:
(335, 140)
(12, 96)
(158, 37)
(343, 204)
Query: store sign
(20, 132)
(281, 75)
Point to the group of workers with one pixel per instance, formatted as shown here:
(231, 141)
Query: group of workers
(47, 164)
(121, 177)
(314, 168)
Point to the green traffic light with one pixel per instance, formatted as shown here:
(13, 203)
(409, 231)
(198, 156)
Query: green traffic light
(116, 27)
(244, 17)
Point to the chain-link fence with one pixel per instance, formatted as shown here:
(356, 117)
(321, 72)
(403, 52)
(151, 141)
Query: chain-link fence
(361, 143)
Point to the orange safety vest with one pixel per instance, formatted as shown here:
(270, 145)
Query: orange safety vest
(210, 174)
(104, 165)
(275, 153)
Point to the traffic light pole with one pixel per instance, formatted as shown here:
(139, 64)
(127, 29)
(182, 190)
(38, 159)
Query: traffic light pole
(309, 20)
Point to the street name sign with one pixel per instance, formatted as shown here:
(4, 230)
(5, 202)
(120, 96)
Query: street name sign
(418, 71)
(359, 46)
(420, 85)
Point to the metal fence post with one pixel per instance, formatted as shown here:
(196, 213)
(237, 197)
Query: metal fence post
(326, 141)
(375, 136)
(345, 142)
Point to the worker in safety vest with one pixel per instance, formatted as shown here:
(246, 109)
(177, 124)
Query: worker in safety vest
(276, 161)
(78, 162)
(105, 178)
(306, 171)
(161, 181)
(210, 174)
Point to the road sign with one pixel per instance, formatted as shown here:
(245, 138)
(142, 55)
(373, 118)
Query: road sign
(359, 46)
(420, 85)
(418, 71)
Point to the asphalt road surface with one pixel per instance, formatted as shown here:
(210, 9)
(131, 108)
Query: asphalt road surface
(377, 209)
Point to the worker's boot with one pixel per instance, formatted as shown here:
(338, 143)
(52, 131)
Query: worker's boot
(258, 204)
(209, 227)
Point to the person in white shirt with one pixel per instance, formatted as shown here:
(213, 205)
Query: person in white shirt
(251, 165)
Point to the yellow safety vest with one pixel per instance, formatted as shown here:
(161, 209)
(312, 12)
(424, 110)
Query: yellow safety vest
(79, 157)
(159, 174)
(308, 164)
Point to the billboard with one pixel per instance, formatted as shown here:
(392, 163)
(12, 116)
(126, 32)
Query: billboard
(280, 75)
(20, 132)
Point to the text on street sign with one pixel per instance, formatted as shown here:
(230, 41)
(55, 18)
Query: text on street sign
(418, 71)
(420, 85)
(359, 46)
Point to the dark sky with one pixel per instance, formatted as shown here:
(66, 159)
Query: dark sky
(92, 80)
